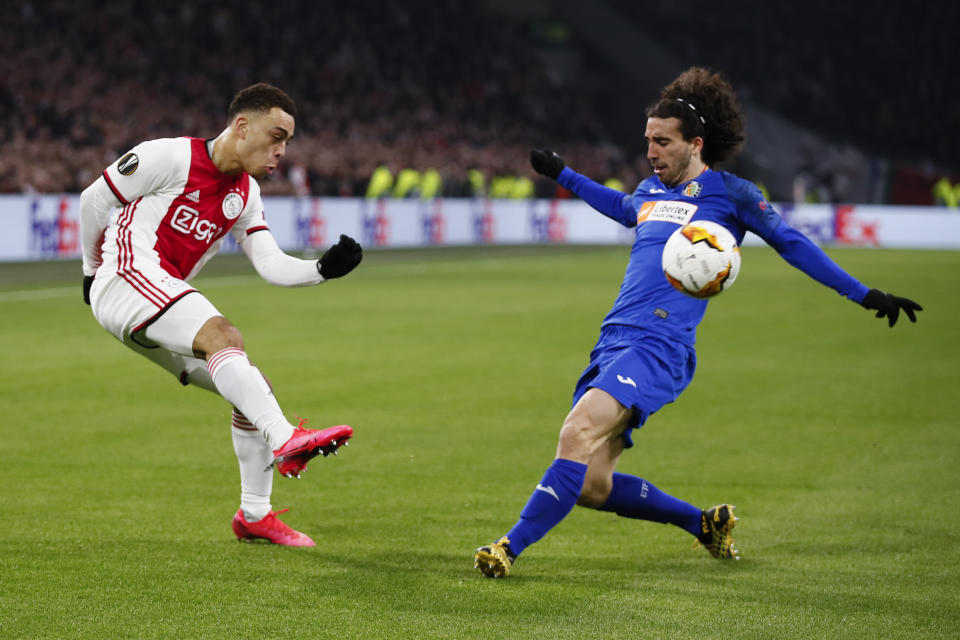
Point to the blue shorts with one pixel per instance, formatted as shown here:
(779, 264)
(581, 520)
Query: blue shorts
(641, 369)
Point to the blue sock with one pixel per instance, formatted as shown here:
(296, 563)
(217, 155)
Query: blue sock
(633, 497)
(550, 503)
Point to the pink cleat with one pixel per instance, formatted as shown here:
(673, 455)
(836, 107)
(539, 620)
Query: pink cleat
(291, 459)
(270, 528)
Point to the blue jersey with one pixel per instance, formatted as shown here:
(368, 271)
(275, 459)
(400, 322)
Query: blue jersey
(646, 299)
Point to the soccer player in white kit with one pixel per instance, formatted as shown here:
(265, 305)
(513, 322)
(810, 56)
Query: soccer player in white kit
(149, 224)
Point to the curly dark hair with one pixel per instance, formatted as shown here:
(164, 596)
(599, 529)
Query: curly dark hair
(706, 106)
(261, 97)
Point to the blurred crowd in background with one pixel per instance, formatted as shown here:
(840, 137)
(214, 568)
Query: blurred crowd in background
(448, 91)
(880, 77)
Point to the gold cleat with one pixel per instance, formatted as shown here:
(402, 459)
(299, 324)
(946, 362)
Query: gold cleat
(494, 560)
(716, 523)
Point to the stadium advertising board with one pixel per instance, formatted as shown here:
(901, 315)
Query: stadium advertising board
(41, 227)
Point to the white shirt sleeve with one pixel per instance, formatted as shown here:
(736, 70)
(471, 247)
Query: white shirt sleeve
(153, 166)
(97, 202)
(275, 266)
(149, 167)
(251, 218)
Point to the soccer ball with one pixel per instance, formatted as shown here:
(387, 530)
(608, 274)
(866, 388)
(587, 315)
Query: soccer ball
(701, 259)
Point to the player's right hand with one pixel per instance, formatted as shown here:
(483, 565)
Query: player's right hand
(546, 162)
(889, 305)
(341, 258)
(87, 283)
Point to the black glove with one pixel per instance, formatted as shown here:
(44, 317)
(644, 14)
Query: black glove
(889, 305)
(341, 258)
(87, 283)
(546, 162)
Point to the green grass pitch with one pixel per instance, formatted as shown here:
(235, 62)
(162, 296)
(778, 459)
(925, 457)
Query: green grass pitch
(835, 436)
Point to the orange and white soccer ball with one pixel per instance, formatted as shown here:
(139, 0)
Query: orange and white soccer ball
(701, 259)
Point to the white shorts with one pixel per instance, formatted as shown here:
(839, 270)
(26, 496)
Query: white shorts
(156, 315)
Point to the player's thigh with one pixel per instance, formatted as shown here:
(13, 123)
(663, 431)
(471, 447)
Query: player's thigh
(596, 418)
(125, 303)
(177, 327)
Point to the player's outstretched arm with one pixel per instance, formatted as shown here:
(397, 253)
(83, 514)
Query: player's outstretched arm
(609, 202)
(802, 253)
(799, 251)
(278, 268)
(889, 306)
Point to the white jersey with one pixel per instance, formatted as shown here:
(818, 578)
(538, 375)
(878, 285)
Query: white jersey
(152, 221)
(177, 207)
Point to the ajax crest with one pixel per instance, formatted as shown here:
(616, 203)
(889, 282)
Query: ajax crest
(232, 205)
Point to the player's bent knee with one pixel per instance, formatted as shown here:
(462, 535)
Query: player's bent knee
(233, 337)
(595, 492)
(578, 440)
(215, 335)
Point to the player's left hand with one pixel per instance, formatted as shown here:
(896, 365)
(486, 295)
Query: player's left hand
(341, 258)
(889, 305)
(87, 283)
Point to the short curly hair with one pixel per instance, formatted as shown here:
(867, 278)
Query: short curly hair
(706, 106)
(261, 97)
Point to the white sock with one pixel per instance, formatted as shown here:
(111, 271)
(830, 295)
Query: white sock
(256, 476)
(245, 388)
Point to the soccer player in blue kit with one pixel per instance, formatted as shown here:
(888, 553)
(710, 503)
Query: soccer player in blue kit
(645, 355)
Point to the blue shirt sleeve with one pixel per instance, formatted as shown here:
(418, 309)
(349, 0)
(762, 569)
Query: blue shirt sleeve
(610, 202)
(798, 250)
(794, 247)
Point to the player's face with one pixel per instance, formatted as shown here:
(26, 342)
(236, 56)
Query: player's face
(674, 160)
(263, 140)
